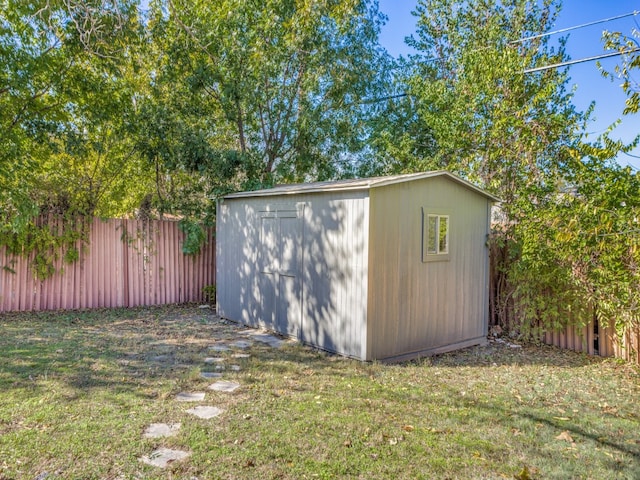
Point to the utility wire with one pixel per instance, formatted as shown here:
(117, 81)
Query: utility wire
(532, 70)
(382, 99)
(546, 67)
(580, 60)
(568, 29)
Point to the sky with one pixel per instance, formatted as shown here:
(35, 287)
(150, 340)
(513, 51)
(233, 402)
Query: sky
(582, 43)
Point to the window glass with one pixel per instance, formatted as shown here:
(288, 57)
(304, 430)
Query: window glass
(432, 244)
(435, 234)
(443, 234)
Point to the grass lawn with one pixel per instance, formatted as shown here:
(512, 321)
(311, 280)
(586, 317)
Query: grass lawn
(78, 389)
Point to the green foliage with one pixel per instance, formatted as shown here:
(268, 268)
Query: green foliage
(67, 89)
(273, 91)
(629, 48)
(209, 293)
(489, 121)
(194, 236)
(46, 241)
(106, 112)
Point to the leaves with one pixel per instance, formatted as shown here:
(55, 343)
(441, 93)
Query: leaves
(281, 83)
(565, 437)
(525, 474)
(628, 47)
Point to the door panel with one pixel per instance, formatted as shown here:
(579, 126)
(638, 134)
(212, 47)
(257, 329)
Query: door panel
(269, 245)
(279, 271)
(267, 300)
(288, 309)
(290, 233)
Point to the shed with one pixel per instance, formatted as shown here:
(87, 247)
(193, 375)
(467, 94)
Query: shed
(385, 268)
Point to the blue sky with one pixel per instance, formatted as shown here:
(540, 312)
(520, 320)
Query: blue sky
(590, 85)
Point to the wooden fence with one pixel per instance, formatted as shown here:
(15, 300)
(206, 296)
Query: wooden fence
(591, 339)
(595, 340)
(126, 263)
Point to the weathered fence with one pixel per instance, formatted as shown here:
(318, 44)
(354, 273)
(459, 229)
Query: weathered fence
(595, 340)
(126, 263)
(592, 338)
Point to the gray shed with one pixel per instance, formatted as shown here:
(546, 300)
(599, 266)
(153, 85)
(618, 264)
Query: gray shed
(384, 268)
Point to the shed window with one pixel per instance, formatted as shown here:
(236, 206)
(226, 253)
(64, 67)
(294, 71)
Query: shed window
(435, 235)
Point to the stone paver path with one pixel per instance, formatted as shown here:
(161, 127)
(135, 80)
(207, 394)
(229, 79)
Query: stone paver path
(213, 360)
(190, 396)
(158, 430)
(164, 456)
(205, 412)
(270, 340)
(219, 348)
(161, 358)
(224, 386)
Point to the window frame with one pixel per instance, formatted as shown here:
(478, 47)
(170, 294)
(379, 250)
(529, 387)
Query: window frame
(429, 254)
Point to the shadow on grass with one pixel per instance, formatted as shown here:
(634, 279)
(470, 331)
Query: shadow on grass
(125, 350)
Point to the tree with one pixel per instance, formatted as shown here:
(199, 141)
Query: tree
(494, 119)
(64, 98)
(278, 86)
(67, 90)
(491, 121)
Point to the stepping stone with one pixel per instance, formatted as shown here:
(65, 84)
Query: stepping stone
(210, 374)
(190, 396)
(160, 358)
(263, 338)
(235, 368)
(240, 355)
(241, 344)
(164, 456)
(270, 340)
(219, 348)
(205, 412)
(224, 386)
(213, 360)
(157, 430)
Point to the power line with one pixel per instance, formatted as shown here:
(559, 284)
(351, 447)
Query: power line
(568, 29)
(382, 99)
(531, 70)
(546, 67)
(581, 60)
(562, 30)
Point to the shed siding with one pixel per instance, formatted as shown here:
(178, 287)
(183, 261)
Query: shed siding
(425, 307)
(335, 272)
(237, 236)
(334, 268)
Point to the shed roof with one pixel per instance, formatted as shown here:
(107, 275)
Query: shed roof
(358, 184)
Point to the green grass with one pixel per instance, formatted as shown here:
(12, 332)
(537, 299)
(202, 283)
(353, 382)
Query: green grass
(77, 389)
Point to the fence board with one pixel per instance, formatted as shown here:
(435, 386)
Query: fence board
(126, 263)
(609, 345)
